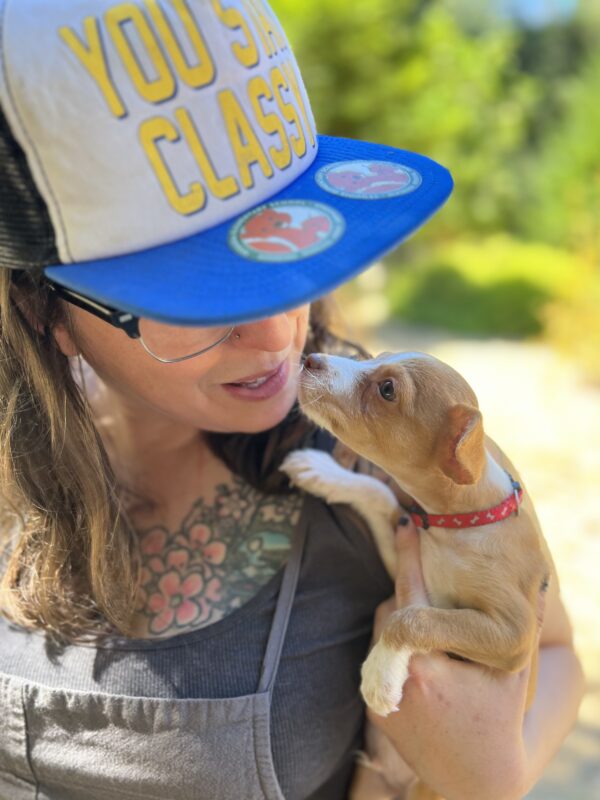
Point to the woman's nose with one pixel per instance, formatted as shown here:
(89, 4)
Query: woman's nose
(272, 333)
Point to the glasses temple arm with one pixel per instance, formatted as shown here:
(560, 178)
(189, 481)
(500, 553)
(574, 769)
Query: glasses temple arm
(119, 319)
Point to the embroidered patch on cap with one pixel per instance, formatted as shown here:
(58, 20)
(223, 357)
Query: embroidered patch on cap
(286, 230)
(368, 180)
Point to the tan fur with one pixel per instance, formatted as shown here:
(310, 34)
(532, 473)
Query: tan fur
(483, 583)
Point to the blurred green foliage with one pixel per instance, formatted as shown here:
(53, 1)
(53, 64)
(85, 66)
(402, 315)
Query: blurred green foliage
(512, 111)
(566, 176)
(494, 285)
(404, 73)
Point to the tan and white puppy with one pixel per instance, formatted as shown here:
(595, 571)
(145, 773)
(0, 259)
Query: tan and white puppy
(418, 419)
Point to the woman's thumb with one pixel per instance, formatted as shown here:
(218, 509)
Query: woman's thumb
(410, 586)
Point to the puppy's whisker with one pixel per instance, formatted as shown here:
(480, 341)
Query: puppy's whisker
(312, 402)
(313, 399)
(316, 378)
(310, 385)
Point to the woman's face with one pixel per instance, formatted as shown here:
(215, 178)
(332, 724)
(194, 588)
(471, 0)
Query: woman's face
(198, 392)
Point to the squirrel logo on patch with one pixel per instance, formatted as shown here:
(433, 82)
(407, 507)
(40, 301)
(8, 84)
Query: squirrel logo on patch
(286, 230)
(368, 180)
(276, 232)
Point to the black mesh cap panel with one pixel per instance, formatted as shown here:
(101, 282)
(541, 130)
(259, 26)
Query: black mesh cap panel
(26, 232)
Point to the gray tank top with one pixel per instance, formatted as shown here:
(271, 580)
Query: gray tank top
(263, 705)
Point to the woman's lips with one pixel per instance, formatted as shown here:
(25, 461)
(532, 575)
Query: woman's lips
(266, 389)
(257, 376)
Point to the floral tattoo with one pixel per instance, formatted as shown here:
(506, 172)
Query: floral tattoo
(219, 558)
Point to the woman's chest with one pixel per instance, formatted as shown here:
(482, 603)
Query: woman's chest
(179, 722)
(219, 556)
(161, 719)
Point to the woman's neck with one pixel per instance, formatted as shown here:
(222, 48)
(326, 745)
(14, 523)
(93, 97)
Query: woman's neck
(153, 456)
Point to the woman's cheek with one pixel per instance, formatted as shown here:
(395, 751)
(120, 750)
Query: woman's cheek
(302, 328)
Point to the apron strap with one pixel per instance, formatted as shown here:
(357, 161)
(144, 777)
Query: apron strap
(287, 592)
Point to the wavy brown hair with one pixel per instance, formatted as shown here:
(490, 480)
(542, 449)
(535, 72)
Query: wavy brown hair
(69, 557)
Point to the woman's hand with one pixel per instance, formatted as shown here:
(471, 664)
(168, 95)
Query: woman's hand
(459, 725)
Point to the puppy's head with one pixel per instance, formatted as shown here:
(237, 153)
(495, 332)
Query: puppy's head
(402, 411)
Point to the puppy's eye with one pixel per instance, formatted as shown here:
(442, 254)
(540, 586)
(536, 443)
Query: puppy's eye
(387, 390)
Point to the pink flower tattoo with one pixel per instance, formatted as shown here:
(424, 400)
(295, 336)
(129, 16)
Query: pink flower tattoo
(174, 601)
(209, 550)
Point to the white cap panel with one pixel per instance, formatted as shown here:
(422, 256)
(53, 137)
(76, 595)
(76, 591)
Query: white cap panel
(148, 122)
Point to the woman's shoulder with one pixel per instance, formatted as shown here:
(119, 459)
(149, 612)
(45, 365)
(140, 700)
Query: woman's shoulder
(349, 539)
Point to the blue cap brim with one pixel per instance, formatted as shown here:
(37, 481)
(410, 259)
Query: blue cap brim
(202, 280)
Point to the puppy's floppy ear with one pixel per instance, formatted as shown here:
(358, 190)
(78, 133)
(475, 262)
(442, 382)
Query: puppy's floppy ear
(460, 446)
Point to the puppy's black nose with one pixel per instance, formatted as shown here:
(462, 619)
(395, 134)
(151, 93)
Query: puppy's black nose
(314, 362)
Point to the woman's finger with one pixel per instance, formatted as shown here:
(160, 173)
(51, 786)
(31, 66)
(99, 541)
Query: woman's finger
(382, 612)
(410, 587)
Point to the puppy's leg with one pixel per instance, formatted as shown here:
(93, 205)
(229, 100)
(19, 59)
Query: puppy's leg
(318, 473)
(502, 642)
(466, 632)
(383, 676)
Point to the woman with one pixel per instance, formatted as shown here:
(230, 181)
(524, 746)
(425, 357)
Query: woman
(176, 621)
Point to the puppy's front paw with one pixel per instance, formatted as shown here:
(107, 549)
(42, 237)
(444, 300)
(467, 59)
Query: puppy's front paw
(383, 676)
(316, 472)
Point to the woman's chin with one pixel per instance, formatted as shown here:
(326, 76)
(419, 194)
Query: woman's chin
(263, 419)
(251, 417)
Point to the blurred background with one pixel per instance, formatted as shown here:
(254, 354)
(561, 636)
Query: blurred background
(504, 283)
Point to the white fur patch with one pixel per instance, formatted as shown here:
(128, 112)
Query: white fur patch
(383, 676)
(343, 374)
(340, 376)
(318, 473)
(497, 476)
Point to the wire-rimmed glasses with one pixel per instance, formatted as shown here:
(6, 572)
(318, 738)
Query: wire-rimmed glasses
(164, 342)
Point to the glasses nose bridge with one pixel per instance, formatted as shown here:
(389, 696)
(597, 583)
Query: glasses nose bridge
(269, 333)
(221, 334)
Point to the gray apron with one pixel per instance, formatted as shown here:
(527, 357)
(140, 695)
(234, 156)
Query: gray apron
(69, 745)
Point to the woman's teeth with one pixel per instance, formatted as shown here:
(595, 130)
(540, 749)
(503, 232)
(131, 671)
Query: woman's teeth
(254, 384)
(263, 388)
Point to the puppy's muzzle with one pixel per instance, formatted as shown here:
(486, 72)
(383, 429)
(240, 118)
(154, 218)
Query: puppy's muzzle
(315, 363)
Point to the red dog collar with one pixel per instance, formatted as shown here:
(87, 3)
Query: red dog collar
(474, 519)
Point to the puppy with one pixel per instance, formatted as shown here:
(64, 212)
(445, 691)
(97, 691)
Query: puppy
(483, 555)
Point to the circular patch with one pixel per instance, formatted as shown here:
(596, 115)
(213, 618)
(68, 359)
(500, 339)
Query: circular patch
(368, 180)
(286, 230)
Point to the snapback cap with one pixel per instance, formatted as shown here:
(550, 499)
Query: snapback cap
(161, 157)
